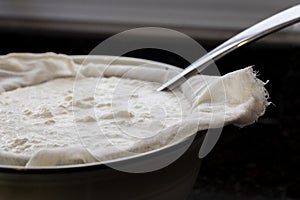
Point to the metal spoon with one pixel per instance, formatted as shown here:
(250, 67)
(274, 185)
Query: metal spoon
(274, 23)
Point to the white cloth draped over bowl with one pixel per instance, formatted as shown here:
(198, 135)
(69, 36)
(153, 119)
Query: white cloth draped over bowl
(237, 98)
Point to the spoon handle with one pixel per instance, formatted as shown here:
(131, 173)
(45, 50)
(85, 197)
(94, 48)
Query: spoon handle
(274, 23)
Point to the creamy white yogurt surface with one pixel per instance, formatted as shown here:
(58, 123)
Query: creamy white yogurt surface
(92, 112)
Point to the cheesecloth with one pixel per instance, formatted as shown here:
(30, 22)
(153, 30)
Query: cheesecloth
(237, 98)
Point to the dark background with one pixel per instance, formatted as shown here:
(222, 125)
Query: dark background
(260, 161)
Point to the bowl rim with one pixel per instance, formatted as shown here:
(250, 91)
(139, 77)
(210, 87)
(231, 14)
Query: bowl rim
(99, 164)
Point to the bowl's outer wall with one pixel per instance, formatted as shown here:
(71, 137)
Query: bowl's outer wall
(100, 182)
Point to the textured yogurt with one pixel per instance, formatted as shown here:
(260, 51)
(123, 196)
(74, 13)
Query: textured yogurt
(92, 112)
